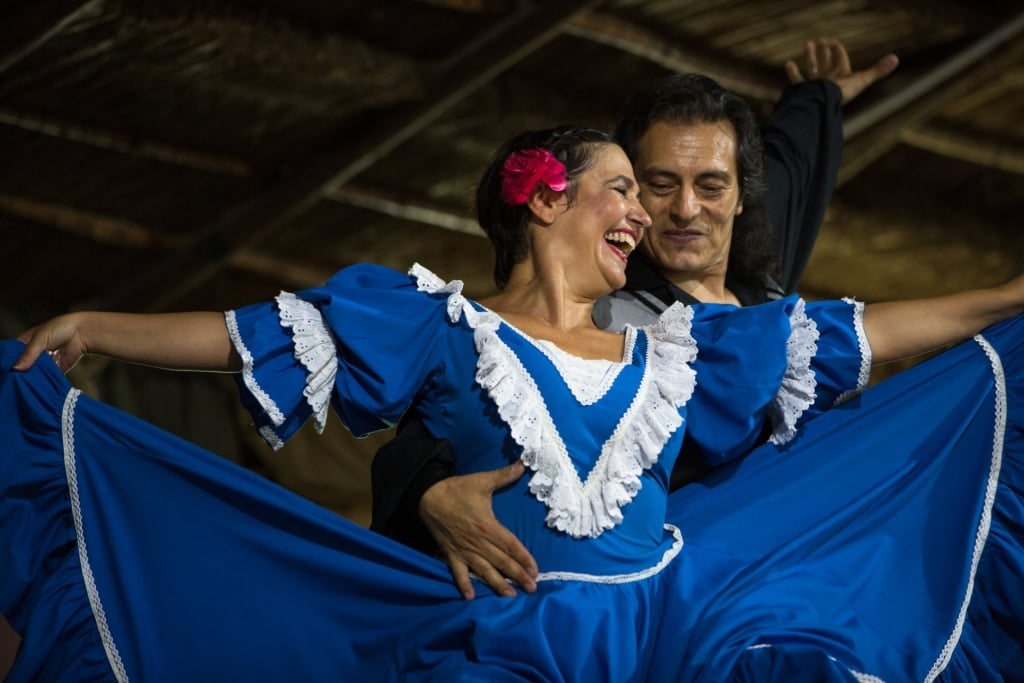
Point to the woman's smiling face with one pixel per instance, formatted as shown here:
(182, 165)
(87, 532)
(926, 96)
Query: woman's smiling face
(606, 216)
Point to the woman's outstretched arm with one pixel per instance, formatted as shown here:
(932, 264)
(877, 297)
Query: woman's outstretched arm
(177, 341)
(901, 329)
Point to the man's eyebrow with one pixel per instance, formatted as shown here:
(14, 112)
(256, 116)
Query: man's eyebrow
(652, 171)
(724, 176)
(712, 174)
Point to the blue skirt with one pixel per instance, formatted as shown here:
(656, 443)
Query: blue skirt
(885, 543)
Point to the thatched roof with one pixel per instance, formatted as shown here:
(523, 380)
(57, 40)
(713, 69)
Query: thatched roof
(173, 153)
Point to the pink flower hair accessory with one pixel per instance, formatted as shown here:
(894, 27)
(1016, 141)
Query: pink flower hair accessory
(523, 170)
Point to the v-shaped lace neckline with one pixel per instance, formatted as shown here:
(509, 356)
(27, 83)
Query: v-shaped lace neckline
(576, 507)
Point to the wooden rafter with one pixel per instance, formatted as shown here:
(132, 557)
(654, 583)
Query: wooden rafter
(615, 32)
(589, 24)
(877, 129)
(92, 226)
(23, 34)
(290, 273)
(125, 234)
(401, 207)
(245, 225)
(952, 142)
(100, 138)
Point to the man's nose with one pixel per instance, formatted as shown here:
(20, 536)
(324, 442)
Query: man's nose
(687, 204)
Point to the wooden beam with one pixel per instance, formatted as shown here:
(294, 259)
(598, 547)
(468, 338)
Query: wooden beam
(100, 138)
(1011, 79)
(877, 129)
(247, 224)
(292, 274)
(23, 34)
(615, 32)
(393, 205)
(88, 225)
(119, 233)
(936, 79)
(950, 141)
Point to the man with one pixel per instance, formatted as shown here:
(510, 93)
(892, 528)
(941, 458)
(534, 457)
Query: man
(716, 236)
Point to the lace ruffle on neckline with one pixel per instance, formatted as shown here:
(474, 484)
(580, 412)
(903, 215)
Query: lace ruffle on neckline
(581, 509)
(587, 379)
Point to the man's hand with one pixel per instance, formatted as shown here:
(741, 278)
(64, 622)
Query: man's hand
(459, 515)
(826, 58)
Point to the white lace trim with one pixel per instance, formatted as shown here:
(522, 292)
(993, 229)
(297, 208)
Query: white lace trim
(91, 589)
(588, 379)
(865, 352)
(314, 347)
(666, 557)
(581, 509)
(797, 392)
(271, 437)
(262, 397)
(985, 522)
(426, 281)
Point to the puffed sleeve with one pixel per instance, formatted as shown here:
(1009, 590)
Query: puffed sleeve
(782, 362)
(366, 342)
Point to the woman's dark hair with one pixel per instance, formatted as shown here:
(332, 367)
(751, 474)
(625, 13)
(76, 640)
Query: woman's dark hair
(686, 99)
(504, 223)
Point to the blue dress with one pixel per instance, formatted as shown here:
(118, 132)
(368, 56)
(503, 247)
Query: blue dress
(878, 540)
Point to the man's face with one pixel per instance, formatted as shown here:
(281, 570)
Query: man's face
(689, 186)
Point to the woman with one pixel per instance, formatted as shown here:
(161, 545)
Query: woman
(137, 556)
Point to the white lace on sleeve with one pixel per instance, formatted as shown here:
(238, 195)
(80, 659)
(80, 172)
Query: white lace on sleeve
(426, 281)
(314, 347)
(865, 351)
(797, 392)
(262, 397)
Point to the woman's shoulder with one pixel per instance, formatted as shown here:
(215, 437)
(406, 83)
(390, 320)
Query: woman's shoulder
(373, 276)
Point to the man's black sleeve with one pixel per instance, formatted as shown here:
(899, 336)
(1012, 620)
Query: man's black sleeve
(401, 472)
(803, 142)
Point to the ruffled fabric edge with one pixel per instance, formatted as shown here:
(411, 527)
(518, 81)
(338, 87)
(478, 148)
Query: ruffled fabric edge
(998, 548)
(48, 593)
(581, 509)
(799, 383)
(313, 346)
(267, 403)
